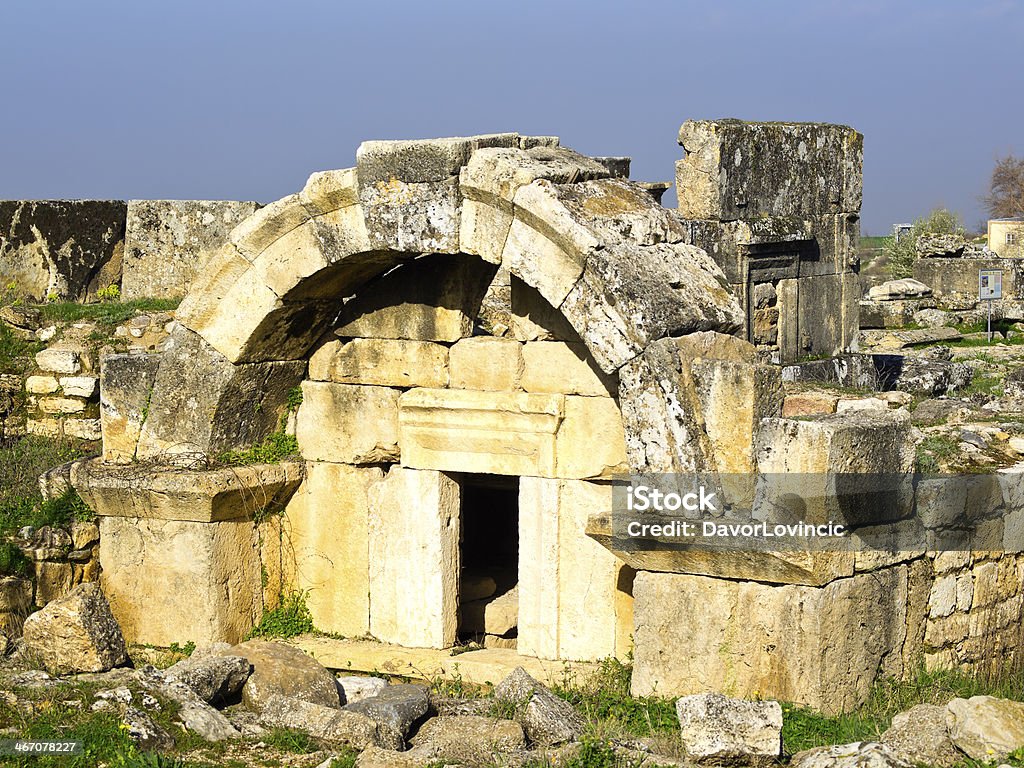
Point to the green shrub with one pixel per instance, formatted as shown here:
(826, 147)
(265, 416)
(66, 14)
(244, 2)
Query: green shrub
(277, 447)
(290, 618)
(903, 254)
(15, 353)
(13, 561)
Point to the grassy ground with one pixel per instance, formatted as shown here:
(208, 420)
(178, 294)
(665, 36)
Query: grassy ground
(108, 314)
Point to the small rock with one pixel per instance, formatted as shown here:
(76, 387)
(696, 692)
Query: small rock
(861, 754)
(862, 404)
(717, 729)
(356, 687)
(395, 710)
(340, 726)
(445, 706)
(986, 728)
(146, 734)
(918, 736)
(26, 318)
(215, 679)
(76, 633)
(469, 740)
(1017, 444)
(546, 719)
(196, 715)
(119, 695)
(973, 438)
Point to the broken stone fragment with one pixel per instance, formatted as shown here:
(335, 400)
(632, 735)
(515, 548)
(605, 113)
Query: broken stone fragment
(722, 731)
(546, 719)
(76, 633)
(357, 687)
(328, 723)
(285, 670)
(468, 740)
(919, 737)
(985, 727)
(214, 679)
(395, 710)
(861, 754)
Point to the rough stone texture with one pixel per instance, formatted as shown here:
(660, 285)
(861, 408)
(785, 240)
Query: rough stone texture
(167, 242)
(433, 298)
(76, 633)
(15, 604)
(143, 730)
(919, 737)
(59, 360)
(61, 247)
(556, 366)
(323, 722)
(546, 719)
(215, 679)
(809, 404)
(468, 739)
(414, 540)
(196, 715)
(381, 362)
(899, 289)
(930, 246)
(194, 409)
(126, 386)
(723, 731)
(348, 423)
(279, 669)
(356, 688)
(954, 281)
(986, 728)
(395, 710)
(862, 754)
(486, 363)
(820, 646)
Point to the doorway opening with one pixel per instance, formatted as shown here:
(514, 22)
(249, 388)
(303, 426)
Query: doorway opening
(489, 549)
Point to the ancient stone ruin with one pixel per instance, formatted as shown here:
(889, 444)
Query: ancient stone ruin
(485, 332)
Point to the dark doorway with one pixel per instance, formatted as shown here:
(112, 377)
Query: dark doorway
(488, 594)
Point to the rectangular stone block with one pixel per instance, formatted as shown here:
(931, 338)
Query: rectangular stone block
(381, 362)
(172, 581)
(557, 366)
(591, 441)
(326, 536)
(486, 363)
(414, 558)
(534, 319)
(57, 360)
(79, 386)
(41, 385)
(167, 242)
(485, 432)
(61, 405)
(126, 386)
(348, 423)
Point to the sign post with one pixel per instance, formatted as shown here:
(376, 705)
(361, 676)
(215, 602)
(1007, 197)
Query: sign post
(990, 288)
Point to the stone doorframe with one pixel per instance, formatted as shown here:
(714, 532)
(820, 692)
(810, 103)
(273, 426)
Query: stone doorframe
(599, 249)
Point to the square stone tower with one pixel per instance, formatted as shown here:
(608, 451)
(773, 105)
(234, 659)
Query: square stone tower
(777, 205)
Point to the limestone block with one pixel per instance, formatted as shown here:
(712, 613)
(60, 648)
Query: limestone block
(483, 229)
(83, 429)
(201, 402)
(486, 363)
(58, 360)
(809, 404)
(506, 433)
(44, 427)
(534, 319)
(591, 441)
(126, 386)
(41, 385)
(493, 175)
(267, 225)
(819, 646)
(414, 557)
(68, 248)
(326, 529)
(433, 298)
(348, 423)
(327, 191)
(53, 581)
(985, 727)
(381, 362)
(174, 581)
(148, 491)
(420, 160)
(79, 386)
(76, 634)
(570, 605)
(61, 405)
(716, 729)
(167, 242)
(412, 217)
(557, 366)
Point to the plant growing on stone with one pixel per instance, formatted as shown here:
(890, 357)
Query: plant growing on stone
(290, 618)
(903, 254)
(109, 293)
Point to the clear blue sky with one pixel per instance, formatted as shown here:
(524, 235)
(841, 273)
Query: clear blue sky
(242, 100)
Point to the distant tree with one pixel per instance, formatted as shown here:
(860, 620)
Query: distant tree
(903, 253)
(1005, 198)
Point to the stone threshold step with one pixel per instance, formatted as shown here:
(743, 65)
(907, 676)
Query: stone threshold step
(487, 666)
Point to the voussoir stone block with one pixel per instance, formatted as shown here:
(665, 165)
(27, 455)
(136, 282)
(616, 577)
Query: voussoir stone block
(348, 423)
(381, 362)
(327, 191)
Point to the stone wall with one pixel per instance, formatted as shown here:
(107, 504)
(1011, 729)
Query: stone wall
(70, 249)
(64, 394)
(954, 282)
(777, 205)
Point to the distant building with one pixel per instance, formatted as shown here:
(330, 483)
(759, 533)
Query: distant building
(899, 230)
(1006, 237)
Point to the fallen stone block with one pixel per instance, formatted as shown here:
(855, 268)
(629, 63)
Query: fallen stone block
(986, 728)
(861, 754)
(76, 633)
(469, 740)
(395, 710)
(546, 719)
(356, 687)
(215, 679)
(284, 670)
(722, 731)
(919, 737)
(328, 723)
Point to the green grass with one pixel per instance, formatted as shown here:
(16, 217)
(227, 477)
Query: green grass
(290, 618)
(105, 313)
(13, 561)
(277, 447)
(21, 463)
(290, 740)
(15, 353)
(934, 452)
(983, 384)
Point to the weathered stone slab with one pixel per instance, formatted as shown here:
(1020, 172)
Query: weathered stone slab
(486, 363)
(326, 527)
(414, 540)
(279, 669)
(381, 362)
(723, 731)
(322, 722)
(63, 248)
(433, 298)
(591, 440)
(126, 386)
(487, 432)
(348, 423)
(76, 633)
(985, 727)
(168, 241)
(557, 366)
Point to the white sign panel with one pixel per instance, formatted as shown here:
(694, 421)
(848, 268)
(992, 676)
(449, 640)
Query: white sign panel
(990, 284)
